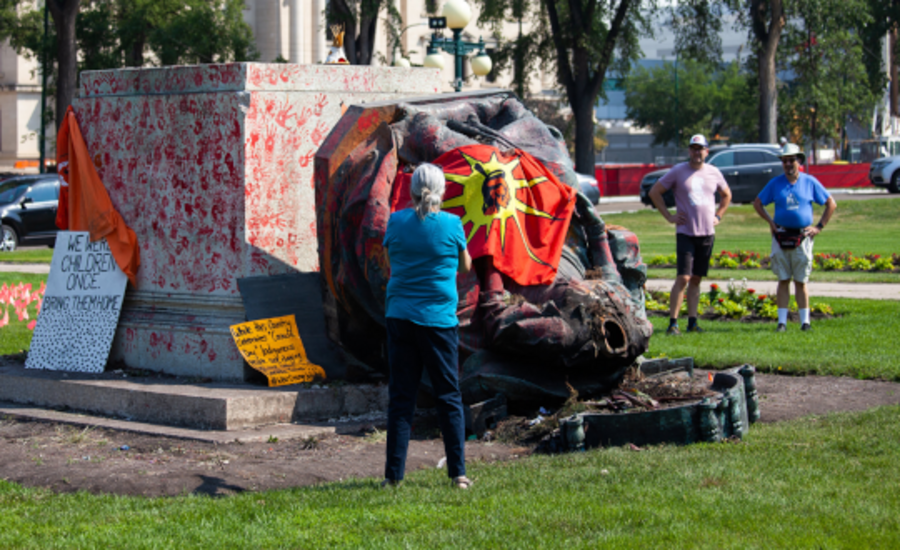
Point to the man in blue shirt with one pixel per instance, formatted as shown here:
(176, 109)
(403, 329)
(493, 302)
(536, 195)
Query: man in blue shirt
(792, 230)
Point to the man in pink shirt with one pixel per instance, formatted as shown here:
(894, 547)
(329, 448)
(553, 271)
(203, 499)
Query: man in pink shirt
(694, 184)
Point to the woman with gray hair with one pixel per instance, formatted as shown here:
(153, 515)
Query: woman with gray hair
(426, 248)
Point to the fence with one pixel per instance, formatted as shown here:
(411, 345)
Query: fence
(617, 180)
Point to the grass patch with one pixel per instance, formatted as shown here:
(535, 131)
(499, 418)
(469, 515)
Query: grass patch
(821, 482)
(858, 226)
(861, 343)
(15, 337)
(34, 256)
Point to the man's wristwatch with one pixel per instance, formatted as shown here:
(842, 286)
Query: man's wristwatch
(718, 217)
(819, 226)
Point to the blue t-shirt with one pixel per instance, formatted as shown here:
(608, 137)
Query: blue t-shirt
(424, 260)
(793, 203)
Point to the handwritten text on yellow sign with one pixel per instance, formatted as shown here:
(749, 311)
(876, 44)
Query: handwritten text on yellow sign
(273, 347)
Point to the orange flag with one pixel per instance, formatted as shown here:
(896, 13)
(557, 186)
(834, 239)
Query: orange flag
(84, 204)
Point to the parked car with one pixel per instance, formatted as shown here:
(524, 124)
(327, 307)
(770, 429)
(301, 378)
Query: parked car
(747, 169)
(885, 172)
(589, 187)
(28, 211)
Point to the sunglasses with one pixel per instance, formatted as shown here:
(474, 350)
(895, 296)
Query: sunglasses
(789, 160)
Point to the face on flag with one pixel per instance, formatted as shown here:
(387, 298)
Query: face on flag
(512, 208)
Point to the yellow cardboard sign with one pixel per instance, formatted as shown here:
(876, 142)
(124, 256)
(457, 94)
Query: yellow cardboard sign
(274, 348)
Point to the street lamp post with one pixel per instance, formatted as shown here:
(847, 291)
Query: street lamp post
(456, 15)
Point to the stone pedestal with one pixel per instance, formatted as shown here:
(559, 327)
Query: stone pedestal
(212, 166)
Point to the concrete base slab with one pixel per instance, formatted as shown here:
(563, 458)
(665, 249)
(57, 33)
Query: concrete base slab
(185, 403)
(282, 432)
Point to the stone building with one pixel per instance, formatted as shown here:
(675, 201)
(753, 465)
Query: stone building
(20, 113)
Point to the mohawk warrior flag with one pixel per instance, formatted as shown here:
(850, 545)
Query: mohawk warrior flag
(512, 208)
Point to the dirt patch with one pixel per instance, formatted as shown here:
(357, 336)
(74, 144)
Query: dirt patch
(67, 458)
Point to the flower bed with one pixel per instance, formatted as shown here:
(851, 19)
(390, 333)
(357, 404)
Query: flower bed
(20, 296)
(746, 259)
(737, 303)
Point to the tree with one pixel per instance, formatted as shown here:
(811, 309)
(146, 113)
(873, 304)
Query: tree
(885, 15)
(582, 40)
(552, 113)
(709, 101)
(359, 19)
(106, 34)
(65, 14)
(697, 24)
(824, 54)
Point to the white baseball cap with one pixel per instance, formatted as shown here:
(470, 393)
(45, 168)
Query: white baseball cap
(699, 139)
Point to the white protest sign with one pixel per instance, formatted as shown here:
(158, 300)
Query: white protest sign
(80, 312)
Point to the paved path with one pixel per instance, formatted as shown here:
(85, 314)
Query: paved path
(875, 291)
(24, 268)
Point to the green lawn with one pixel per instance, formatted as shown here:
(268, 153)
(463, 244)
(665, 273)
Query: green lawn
(820, 482)
(16, 337)
(861, 343)
(857, 226)
(34, 256)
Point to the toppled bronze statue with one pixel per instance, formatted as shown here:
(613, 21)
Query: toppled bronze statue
(583, 327)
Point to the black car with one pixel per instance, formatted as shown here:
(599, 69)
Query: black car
(747, 169)
(28, 210)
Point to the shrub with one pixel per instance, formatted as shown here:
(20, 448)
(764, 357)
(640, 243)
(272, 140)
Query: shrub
(860, 264)
(728, 263)
(832, 264)
(883, 264)
(663, 259)
(731, 309)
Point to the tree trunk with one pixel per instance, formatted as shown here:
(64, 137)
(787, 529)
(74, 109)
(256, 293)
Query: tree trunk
(135, 54)
(892, 63)
(365, 42)
(359, 31)
(583, 111)
(814, 132)
(768, 22)
(65, 13)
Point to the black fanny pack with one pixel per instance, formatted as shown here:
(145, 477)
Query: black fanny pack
(789, 238)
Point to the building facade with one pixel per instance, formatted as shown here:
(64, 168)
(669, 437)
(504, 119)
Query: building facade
(295, 31)
(20, 112)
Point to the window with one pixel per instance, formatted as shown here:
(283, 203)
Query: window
(749, 157)
(43, 192)
(10, 191)
(723, 160)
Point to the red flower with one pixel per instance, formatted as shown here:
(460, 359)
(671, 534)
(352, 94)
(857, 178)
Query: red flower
(721, 300)
(714, 286)
(761, 297)
(750, 291)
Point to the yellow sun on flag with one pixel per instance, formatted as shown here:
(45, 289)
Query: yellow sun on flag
(489, 195)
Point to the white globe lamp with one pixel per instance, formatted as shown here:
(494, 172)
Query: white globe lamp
(401, 62)
(434, 60)
(481, 64)
(458, 13)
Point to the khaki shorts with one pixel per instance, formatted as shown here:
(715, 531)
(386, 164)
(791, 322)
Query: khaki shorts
(793, 264)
